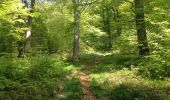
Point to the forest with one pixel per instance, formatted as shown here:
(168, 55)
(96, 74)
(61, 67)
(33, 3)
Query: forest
(84, 50)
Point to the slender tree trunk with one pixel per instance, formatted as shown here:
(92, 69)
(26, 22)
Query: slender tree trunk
(141, 28)
(29, 31)
(108, 30)
(119, 29)
(116, 17)
(76, 55)
(106, 27)
(104, 20)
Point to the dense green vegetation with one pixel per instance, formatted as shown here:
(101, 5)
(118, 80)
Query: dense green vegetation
(120, 46)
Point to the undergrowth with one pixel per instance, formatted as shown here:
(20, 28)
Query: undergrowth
(37, 78)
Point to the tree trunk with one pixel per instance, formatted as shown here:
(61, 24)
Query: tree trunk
(104, 20)
(27, 40)
(110, 38)
(116, 17)
(76, 55)
(29, 24)
(119, 29)
(141, 28)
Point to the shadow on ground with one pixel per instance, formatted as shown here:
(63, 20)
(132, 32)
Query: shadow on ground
(105, 63)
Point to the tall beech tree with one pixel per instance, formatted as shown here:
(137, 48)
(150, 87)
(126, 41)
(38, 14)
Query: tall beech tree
(76, 55)
(29, 25)
(78, 6)
(24, 44)
(141, 28)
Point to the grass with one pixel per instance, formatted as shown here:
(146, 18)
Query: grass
(115, 80)
(116, 77)
(37, 78)
(126, 85)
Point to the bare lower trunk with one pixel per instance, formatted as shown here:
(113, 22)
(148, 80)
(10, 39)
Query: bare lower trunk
(141, 28)
(76, 55)
(27, 40)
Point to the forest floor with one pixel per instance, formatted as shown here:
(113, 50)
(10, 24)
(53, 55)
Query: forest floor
(84, 79)
(110, 77)
(94, 77)
(84, 75)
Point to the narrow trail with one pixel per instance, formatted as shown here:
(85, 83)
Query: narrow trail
(84, 78)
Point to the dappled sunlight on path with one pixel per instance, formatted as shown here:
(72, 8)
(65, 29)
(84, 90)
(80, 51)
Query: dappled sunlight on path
(84, 78)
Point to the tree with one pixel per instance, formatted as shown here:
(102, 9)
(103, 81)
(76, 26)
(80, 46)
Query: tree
(24, 44)
(109, 10)
(78, 7)
(108, 28)
(29, 24)
(12, 17)
(141, 28)
(76, 55)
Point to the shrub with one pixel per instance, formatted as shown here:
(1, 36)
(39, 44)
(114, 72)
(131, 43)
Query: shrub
(154, 67)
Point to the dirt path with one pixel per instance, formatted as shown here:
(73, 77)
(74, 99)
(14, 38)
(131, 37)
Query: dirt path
(84, 78)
